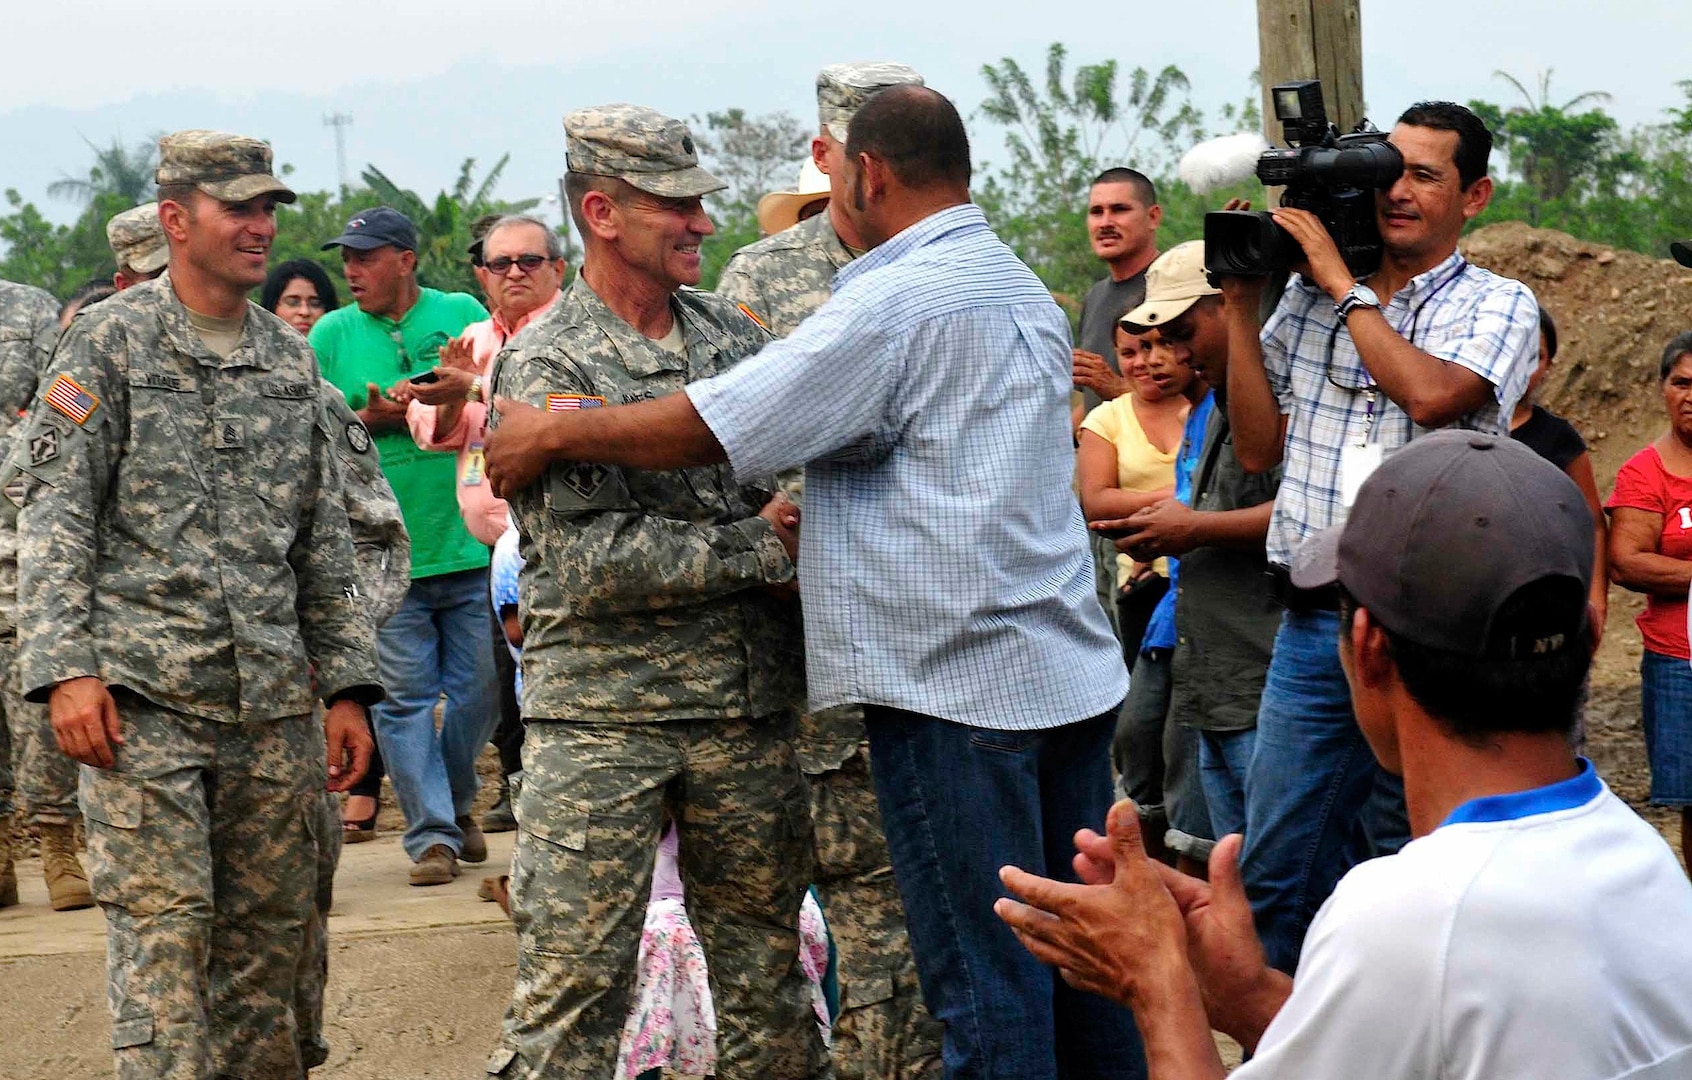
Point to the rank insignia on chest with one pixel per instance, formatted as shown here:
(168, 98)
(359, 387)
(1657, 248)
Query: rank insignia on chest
(358, 438)
(68, 397)
(15, 490)
(585, 478)
(230, 435)
(571, 402)
(44, 447)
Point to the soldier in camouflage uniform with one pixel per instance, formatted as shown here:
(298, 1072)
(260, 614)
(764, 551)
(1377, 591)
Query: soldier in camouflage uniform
(46, 779)
(382, 553)
(882, 1032)
(184, 554)
(659, 651)
(138, 245)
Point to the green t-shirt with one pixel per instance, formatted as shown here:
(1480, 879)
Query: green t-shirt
(354, 349)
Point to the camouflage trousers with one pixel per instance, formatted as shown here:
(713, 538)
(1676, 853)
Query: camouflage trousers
(201, 854)
(588, 816)
(44, 778)
(883, 1032)
(323, 819)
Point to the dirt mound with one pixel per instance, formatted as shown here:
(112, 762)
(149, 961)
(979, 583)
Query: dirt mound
(1615, 311)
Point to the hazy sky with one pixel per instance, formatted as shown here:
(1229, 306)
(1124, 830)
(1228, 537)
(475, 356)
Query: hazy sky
(430, 83)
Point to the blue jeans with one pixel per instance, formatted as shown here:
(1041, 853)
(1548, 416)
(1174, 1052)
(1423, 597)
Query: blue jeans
(1316, 801)
(957, 803)
(1666, 699)
(1224, 757)
(436, 643)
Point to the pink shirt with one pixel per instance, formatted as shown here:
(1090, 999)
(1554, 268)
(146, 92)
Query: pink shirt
(484, 515)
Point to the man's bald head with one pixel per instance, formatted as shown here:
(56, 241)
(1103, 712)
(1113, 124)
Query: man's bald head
(917, 134)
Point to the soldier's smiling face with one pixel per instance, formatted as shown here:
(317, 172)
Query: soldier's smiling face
(231, 241)
(661, 236)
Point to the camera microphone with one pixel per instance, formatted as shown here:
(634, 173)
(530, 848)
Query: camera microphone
(1223, 162)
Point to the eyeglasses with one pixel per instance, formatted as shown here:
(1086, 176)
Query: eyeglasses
(315, 303)
(526, 263)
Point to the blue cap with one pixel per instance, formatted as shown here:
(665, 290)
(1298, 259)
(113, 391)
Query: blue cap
(380, 226)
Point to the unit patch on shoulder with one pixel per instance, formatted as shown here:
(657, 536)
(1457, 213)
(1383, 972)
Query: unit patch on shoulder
(571, 402)
(68, 397)
(44, 447)
(585, 478)
(358, 438)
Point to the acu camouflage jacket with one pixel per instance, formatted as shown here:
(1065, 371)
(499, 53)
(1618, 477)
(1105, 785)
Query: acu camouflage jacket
(643, 592)
(181, 524)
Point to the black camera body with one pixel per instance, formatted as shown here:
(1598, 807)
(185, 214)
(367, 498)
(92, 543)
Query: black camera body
(1331, 175)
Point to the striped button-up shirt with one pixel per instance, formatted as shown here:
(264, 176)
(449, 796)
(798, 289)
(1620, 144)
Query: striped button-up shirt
(1456, 311)
(943, 559)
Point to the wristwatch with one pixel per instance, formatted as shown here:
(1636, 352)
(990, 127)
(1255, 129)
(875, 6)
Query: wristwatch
(475, 391)
(1360, 295)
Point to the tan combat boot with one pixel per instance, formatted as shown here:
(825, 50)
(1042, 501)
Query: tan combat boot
(67, 885)
(8, 876)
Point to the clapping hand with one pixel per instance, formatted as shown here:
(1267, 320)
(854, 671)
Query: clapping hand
(1090, 371)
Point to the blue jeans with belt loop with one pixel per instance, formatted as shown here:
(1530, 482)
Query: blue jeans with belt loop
(957, 803)
(1316, 801)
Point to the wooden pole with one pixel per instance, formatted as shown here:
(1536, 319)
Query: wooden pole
(1309, 39)
(1312, 39)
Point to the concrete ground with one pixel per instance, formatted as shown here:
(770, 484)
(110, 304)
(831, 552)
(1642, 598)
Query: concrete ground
(418, 977)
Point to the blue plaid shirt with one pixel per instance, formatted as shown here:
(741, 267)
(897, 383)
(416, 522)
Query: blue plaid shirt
(943, 560)
(1456, 311)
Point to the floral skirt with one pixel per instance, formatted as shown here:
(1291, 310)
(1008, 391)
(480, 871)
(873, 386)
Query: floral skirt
(673, 1024)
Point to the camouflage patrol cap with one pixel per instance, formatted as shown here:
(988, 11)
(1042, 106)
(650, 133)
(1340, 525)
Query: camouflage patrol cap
(639, 146)
(138, 240)
(842, 89)
(230, 168)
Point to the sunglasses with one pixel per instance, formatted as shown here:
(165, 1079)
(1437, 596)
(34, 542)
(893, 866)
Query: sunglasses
(501, 265)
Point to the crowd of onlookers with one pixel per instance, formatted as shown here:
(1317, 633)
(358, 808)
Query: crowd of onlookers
(1214, 555)
(1145, 428)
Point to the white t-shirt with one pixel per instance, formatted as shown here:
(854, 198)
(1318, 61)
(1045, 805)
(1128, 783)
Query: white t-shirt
(1545, 935)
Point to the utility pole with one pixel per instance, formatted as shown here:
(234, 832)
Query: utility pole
(340, 121)
(1312, 39)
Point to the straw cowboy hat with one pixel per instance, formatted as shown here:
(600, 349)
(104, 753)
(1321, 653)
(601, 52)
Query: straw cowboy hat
(779, 210)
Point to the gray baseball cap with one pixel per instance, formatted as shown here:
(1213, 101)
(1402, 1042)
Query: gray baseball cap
(842, 89)
(640, 146)
(1446, 531)
(138, 239)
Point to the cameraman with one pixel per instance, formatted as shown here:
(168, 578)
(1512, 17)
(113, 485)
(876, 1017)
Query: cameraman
(1343, 373)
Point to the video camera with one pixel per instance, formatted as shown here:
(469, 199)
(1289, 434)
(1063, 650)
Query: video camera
(1331, 175)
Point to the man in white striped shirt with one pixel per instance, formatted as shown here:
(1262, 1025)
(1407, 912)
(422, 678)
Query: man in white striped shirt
(944, 565)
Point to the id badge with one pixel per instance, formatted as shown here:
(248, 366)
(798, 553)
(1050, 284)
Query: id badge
(473, 466)
(1356, 463)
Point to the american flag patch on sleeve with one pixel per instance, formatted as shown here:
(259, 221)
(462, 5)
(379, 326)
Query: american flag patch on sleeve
(571, 402)
(69, 398)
